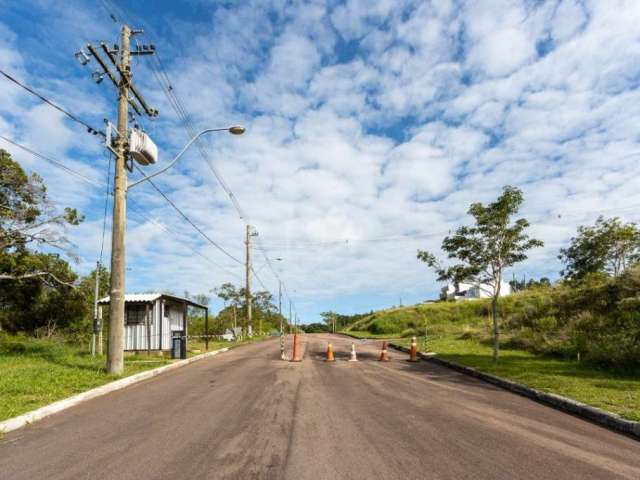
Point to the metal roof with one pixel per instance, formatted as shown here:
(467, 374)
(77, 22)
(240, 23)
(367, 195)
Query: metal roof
(152, 297)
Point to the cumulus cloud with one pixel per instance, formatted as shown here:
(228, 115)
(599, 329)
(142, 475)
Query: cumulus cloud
(371, 127)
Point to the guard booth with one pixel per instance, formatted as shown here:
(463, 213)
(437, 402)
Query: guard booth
(156, 321)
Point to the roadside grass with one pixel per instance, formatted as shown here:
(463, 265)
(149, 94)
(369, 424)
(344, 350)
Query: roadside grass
(616, 391)
(36, 372)
(366, 334)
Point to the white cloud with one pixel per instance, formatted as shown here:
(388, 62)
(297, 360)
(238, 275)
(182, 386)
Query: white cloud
(358, 153)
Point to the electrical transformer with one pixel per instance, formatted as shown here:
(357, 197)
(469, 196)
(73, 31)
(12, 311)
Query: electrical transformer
(142, 148)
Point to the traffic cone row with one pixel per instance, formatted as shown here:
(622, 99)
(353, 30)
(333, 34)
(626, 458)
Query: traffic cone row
(384, 353)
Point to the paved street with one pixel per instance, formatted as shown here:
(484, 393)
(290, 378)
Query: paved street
(246, 414)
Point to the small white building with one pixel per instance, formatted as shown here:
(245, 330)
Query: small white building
(232, 334)
(151, 320)
(468, 291)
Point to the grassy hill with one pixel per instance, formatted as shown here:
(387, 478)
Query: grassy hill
(576, 342)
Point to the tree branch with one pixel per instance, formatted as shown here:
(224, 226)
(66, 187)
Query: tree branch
(24, 276)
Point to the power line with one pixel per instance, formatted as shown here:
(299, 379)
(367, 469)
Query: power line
(52, 161)
(102, 185)
(184, 215)
(73, 117)
(106, 207)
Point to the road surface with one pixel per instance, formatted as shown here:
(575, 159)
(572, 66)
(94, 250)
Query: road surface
(246, 414)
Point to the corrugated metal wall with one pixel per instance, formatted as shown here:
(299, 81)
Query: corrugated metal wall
(136, 335)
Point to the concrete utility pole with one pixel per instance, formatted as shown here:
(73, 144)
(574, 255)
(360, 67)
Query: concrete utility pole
(96, 320)
(120, 58)
(115, 354)
(247, 286)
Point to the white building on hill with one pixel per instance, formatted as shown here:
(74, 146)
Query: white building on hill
(468, 291)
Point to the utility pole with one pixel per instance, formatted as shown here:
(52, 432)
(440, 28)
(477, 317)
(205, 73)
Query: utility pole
(115, 354)
(282, 354)
(280, 303)
(120, 58)
(247, 288)
(96, 320)
(290, 317)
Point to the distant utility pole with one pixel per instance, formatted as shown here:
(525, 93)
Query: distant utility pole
(123, 82)
(247, 286)
(96, 320)
(280, 302)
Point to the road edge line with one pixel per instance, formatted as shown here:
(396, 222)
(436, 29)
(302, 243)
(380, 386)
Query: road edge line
(28, 418)
(601, 417)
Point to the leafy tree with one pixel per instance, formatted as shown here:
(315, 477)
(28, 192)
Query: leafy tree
(316, 328)
(609, 246)
(521, 285)
(27, 218)
(486, 249)
(263, 309)
(39, 304)
(329, 319)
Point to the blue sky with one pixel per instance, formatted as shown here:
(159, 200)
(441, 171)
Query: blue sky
(371, 127)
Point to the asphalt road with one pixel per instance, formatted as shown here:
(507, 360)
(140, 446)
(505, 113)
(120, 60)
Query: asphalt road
(246, 414)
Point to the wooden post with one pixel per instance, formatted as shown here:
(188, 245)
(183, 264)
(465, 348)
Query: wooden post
(146, 319)
(184, 328)
(206, 329)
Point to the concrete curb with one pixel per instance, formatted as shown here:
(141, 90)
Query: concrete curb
(593, 414)
(42, 412)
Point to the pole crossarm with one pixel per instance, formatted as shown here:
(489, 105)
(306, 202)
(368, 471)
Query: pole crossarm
(175, 160)
(148, 110)
(107, 71)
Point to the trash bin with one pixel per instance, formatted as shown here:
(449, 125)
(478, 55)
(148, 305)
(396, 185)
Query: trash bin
(177, 346)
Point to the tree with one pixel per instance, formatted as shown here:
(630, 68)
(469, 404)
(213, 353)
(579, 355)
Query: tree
(27, 217)
(330, 319)
(486, 249)
(261, 302)
(521, 285)
(609, 246)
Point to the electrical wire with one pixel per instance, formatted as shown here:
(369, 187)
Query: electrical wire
(73, 117)
(137, 210)
(183, 215)
(106, 208)
(52, 161)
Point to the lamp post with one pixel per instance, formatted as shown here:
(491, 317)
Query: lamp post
(233, 130)
(115, 359)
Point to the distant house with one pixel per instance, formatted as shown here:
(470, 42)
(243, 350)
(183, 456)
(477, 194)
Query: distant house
(468, 291)
(231, 334)
(151, 320)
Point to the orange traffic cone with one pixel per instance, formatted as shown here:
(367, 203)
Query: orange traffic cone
(384, 355)
(413, 353)
(330, 353)
(296, 357)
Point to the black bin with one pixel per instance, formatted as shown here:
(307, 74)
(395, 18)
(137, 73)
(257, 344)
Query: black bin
(178, 346)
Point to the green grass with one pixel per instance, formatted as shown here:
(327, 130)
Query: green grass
(608, 389)
(365, 334)
(36, 372)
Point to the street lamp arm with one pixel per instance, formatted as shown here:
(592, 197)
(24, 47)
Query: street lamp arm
(234, 130)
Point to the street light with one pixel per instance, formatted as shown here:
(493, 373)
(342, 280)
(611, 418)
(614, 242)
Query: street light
(233, 130)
